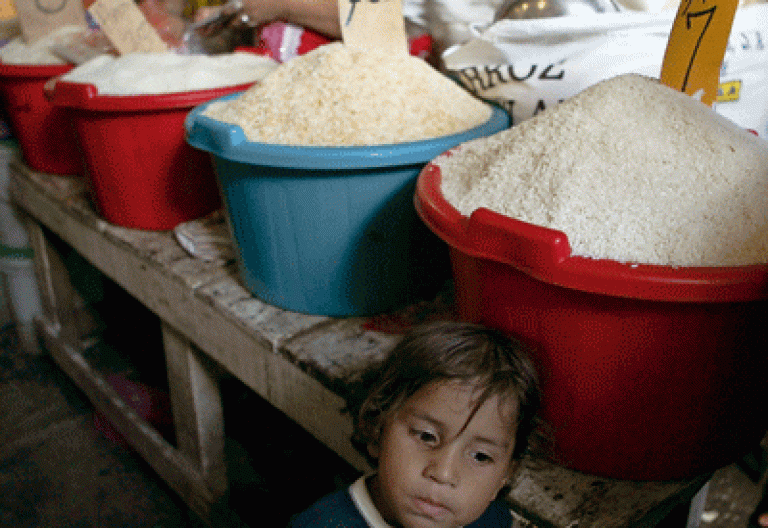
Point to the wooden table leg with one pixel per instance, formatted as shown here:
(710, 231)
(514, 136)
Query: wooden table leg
(63, 308)
(197, 409)
(698, 503)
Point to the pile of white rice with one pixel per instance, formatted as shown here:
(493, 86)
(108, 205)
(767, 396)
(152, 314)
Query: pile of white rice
(630, 170)
(38, 53)
(337, 96)
(162, 73)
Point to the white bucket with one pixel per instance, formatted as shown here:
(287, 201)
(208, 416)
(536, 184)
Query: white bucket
(24, 297)
(12, 231)
(6, 317)
(8, 150)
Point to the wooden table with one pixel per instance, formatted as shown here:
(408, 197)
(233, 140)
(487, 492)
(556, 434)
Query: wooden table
(299, 363)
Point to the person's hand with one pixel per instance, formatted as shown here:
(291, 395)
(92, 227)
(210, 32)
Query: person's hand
(319, 15)
(261, 12)
(235, 13)
(169, 27)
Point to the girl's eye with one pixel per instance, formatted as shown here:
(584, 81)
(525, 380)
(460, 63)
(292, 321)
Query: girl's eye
(425, 437)
(483, 458)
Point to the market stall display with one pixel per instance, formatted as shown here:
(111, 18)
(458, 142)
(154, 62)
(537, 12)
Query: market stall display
(648, 340)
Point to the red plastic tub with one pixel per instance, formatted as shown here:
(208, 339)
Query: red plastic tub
(44, 132)
(648, 372)
(141, 171)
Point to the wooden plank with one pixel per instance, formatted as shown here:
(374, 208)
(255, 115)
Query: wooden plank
(341, 352)
(552, 495)
(315, 408)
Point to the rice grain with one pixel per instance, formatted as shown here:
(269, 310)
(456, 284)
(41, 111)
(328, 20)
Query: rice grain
(337, 96)
(629, 170)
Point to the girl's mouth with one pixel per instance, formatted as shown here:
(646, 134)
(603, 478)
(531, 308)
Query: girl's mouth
(431, 508)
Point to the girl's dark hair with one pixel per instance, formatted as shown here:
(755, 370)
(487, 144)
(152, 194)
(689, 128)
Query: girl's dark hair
(448, 350)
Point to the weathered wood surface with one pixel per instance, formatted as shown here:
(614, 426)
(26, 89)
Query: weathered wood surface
(300, 363)
(198, 415)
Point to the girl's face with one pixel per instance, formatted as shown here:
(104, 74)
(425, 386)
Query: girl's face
(436, 466)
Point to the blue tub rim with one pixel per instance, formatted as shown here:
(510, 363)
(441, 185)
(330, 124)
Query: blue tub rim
(228, 141)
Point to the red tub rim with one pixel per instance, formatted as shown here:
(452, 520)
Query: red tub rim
(33, 70)
(545, 254)
(86, 97)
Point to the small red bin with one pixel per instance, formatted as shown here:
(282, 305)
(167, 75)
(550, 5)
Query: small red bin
(43, 131)
(141, 171)
(648, 372)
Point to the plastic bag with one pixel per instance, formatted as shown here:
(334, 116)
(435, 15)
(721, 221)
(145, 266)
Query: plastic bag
(282, 41)
(91, 42)
(743, 93)
(527, 66)
(81, 47)
(448, 22)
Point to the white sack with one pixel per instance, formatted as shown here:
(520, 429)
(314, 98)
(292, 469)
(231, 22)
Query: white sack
(529, 65)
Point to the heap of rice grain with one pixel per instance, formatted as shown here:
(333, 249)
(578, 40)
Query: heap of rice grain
(38, 53)
(337, 96)
(169, 72)
(629, 170)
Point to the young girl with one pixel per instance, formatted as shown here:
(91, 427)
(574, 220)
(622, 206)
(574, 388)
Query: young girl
(446, 418)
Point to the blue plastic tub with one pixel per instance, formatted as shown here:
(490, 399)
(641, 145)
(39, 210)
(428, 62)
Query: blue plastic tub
(329, 230)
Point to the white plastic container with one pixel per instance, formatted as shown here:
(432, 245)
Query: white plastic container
(24, 298)
(8, 150)
(12, 232)
(6, 317)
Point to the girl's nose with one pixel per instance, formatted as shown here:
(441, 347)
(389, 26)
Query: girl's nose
(442, 467)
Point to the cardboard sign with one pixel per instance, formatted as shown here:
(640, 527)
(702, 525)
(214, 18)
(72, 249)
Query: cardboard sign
(7, 10)
(373, 24)
(39, 18)
(696, 47)
(126, 27)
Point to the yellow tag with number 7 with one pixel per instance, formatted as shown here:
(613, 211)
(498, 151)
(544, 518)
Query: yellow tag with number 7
(696, 47)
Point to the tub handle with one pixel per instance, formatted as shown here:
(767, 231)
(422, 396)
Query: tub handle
(517, 243)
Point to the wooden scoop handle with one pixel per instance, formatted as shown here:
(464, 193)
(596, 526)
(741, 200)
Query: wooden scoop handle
(373, 24)
(126, 27)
